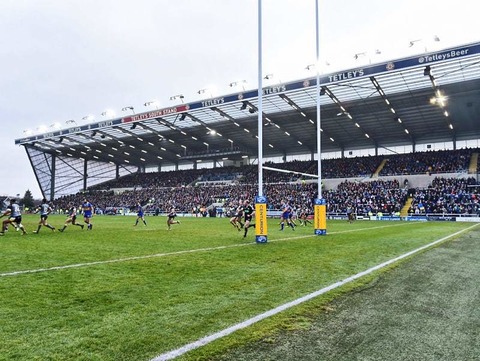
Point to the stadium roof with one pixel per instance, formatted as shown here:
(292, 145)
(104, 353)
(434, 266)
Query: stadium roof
(428, 98)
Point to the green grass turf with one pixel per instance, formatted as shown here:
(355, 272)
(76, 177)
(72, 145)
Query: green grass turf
(205, 277)
(424, 310)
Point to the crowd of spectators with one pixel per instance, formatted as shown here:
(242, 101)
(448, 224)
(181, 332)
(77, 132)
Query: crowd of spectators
(190, 190)
(154, 179)
(447, 196)
(191, 198)
(366, 197)
(378, 196)
(291, 172)
(349, 167)
(432, 162)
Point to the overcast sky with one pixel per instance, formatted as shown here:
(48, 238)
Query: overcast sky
(65, 59)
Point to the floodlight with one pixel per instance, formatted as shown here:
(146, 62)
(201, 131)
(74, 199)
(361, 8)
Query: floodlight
(244, 105)
(178, 96)
(427, 71)
(108, 113)
(356, 56)
(412, 42)
(153, 102)
(124, 109)
(89, 118)
(237, 83)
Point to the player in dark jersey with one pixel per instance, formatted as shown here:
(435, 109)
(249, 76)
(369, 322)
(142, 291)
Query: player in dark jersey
(304, 217)
(171, 218)
(140, 214)
(71, 218)
(44, 210)
(248, 212)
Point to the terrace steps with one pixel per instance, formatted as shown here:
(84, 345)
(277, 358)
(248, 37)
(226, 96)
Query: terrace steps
(406, 207)
(379, 169)
(472, 168)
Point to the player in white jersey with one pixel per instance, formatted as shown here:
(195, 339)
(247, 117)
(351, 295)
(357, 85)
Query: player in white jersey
(14, 217)
(286, 217)
(44, 210)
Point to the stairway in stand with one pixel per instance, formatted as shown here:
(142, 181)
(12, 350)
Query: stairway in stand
(472, 168)
(379, 169)
(406, 207)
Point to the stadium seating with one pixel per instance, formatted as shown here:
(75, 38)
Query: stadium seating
(191, 189)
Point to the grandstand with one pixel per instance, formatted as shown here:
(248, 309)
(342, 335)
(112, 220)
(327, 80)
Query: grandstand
(406, 104)
(124, 292)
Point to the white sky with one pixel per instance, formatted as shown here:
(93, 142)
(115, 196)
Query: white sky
(65, 59)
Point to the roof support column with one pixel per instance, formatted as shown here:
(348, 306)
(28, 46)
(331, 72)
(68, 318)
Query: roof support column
(52, 178)
(85, 175)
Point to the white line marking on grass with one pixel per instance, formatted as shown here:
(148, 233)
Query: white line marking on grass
(135, 258)
(206, 340)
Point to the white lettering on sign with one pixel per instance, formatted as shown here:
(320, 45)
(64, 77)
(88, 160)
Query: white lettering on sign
(346, 75)
(443, 56)
(105, 124)
(274, 89)
(209, 103)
